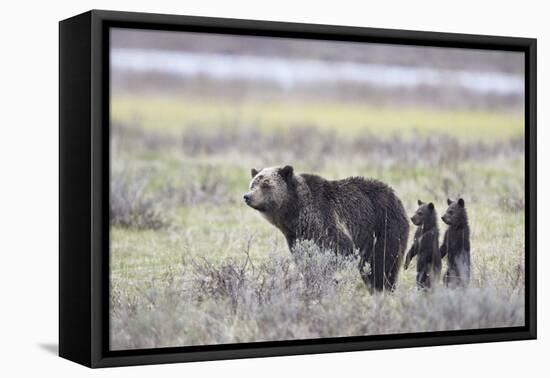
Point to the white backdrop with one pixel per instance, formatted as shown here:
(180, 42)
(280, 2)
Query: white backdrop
(29, 185)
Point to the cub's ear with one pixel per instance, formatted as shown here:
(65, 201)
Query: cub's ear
(449, 201)
(286, 172)
(254, 172)
(420, 203)
(431, 206)
(460, 202)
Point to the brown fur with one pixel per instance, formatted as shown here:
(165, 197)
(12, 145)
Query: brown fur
(456, 244)
(425, 246)
(353, 214)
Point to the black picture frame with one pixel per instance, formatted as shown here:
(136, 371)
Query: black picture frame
(84, 187)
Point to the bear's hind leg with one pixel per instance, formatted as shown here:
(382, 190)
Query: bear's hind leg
(423, 281)
(365, 271)
(366, 263)
(387, 262)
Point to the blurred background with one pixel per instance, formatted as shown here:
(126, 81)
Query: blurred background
(277, 100)
(269, 69)
(192, 113)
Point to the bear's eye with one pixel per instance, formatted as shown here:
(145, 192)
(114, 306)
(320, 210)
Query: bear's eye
(420, 213)
(265, 185)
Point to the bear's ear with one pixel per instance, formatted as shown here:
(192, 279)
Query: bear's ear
(253, 172)
(431, 206)
(460, 202)
(449, 201)
(420, 203)
(286, 172)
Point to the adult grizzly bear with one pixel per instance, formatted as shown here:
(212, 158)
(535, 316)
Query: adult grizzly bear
(340, 215)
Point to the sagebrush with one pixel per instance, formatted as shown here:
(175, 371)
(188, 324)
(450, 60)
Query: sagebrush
(192, 265)
(309, 294)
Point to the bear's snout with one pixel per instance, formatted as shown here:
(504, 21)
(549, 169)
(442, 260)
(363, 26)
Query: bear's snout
(246, 198)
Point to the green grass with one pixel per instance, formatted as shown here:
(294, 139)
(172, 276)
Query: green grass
(177, 114)
(221, 231)
(217, 272)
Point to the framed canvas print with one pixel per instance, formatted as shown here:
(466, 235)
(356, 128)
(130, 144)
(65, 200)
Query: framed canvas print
(234, 188)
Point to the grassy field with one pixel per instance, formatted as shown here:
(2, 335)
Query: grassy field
(191, 264)
(176, 114)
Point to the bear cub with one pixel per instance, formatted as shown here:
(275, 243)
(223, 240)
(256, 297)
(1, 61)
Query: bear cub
(456, 244)
(425, 246)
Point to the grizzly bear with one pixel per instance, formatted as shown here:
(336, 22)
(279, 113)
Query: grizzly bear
(425, 246)
(456, 244)
(345, 216)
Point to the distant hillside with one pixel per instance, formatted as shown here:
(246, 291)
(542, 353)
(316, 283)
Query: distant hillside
(449, 58)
